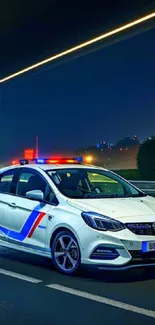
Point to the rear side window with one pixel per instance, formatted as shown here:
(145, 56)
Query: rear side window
(6, 181)
(29, 181)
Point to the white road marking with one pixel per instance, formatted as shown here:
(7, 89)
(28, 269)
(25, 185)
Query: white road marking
(19, 276)
(103, 300)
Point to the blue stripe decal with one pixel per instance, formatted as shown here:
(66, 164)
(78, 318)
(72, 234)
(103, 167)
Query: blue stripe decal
(42, 227)
(26, 228)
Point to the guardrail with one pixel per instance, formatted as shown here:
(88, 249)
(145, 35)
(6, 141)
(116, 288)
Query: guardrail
(146, 186)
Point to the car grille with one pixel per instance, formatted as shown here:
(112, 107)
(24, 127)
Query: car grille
(139, 256)
(147, 229)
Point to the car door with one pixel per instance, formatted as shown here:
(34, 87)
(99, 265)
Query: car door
(28, 218)
(7, 181)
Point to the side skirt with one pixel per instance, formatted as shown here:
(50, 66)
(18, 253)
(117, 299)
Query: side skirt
(23, 247)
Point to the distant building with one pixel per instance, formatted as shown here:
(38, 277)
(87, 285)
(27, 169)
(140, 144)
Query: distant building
(128, 142)
(120, 156)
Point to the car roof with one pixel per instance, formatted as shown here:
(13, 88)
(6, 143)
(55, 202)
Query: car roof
(63, 166)
(51, 166)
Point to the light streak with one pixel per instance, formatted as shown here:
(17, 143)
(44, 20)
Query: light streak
(81, 46)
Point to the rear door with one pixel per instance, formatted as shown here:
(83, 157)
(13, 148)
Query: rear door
(28, 218)
(7, 182)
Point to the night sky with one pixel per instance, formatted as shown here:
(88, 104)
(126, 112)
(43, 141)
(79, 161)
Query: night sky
(98, 97)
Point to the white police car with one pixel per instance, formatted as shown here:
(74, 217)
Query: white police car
(77, 215)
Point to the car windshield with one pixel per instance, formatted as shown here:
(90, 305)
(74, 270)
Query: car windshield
(89, 183)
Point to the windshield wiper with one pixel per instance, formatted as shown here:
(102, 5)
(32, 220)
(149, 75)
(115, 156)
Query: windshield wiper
(110, 196)
(99, 195)
(138, 195)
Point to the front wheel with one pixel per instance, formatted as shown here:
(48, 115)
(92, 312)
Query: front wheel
(66, 253)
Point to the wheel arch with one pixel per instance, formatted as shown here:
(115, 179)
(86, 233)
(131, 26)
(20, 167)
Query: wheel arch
(63, 228)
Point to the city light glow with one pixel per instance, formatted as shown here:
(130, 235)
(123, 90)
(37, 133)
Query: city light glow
(15, 162)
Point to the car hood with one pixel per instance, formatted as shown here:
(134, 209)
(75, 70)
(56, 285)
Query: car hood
(118, 208)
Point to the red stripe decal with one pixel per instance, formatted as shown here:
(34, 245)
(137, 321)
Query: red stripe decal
(41, 215)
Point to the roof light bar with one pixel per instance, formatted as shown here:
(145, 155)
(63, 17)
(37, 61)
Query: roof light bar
(76, 160)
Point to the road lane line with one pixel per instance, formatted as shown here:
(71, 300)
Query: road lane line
(19, 276)
(103, 300)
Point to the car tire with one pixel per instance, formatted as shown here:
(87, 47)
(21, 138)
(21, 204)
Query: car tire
(65, 253)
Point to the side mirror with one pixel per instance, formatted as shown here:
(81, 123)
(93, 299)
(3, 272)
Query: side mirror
(36, 195)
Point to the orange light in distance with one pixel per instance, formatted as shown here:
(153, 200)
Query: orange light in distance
(88, 159)
(29, 154)
(14, 162)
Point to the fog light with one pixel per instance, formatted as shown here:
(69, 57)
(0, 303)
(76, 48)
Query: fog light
(104, 253)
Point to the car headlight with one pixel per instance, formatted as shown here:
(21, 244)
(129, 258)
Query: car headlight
(101, 222)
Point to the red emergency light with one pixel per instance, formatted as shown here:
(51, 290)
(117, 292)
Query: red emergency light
(61, 161)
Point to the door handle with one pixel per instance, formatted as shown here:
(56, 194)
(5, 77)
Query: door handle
(13, 205)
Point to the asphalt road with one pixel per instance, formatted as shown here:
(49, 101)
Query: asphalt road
(31, 292)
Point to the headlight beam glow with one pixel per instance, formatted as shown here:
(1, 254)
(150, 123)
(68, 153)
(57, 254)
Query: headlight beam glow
(81, 46)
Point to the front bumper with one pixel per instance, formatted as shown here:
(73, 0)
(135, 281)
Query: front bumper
(118, 268)
(130, 265)
(127, 244)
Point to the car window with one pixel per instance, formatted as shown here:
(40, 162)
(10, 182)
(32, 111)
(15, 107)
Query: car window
(6, 181)
(86, 183)
(107, 185)
(30, 181)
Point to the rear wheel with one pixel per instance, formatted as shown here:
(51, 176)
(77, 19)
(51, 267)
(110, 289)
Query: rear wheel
(66, 253)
